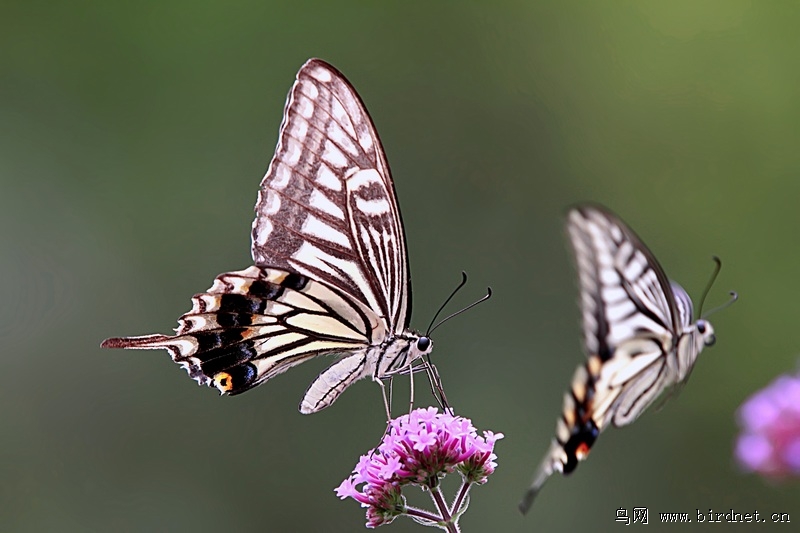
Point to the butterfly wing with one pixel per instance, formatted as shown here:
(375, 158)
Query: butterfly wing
(327, 207)
(256, 323)
(631, 324)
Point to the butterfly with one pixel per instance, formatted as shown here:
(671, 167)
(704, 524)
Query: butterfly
(330, 273)
(638, 334)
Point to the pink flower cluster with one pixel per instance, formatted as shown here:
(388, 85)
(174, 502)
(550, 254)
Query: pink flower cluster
(770, 419)
(419, 448)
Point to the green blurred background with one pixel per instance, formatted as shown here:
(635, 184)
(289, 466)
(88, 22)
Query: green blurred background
(134, 136)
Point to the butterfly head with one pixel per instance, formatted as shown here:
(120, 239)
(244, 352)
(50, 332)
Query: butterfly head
(706, 332)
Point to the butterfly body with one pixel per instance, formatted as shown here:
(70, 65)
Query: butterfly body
(639, 337)
(330, 272)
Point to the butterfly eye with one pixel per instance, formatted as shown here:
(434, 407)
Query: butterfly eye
(701, 326)
(423, 343)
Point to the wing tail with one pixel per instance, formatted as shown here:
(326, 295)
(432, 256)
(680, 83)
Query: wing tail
(144, 342)
(543, 473)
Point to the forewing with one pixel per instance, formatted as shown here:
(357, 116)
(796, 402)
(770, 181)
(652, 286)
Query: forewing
(327, 207)
(256, 323)
(683, 304)
(624, 291)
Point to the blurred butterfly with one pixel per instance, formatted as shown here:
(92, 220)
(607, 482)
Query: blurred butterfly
(638, 334)
(331, 274)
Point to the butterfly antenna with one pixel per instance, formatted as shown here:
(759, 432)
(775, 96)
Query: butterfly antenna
(467, 308)
(734, 297)
(714, 274)
(433, 373)
(463, 282)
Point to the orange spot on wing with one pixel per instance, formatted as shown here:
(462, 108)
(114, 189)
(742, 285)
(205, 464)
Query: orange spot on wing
(223, 381)
(582, 451)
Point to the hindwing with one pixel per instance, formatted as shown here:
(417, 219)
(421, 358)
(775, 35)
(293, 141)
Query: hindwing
(256, 323)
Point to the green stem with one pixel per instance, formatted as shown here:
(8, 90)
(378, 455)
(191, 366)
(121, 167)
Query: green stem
(462, 493)
(420, 513)
(447, 517)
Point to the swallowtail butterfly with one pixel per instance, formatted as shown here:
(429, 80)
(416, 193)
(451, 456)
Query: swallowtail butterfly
(331, 274)
(638, 334)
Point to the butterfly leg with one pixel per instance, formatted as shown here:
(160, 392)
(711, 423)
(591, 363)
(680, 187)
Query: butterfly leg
(387, 404)
(434, 380)
(387, 400)
(437, 389)
(411, 392)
